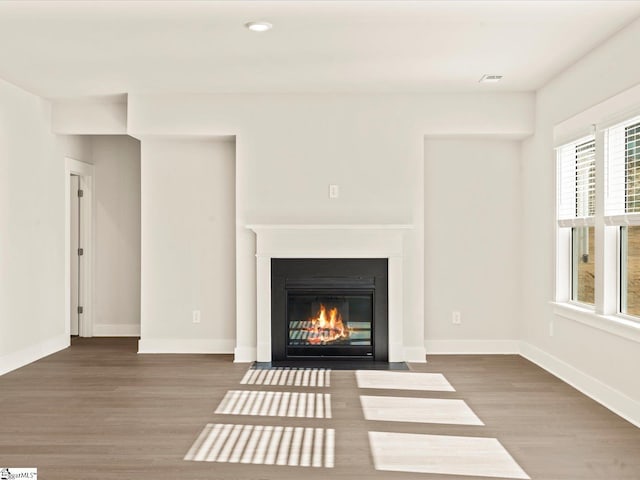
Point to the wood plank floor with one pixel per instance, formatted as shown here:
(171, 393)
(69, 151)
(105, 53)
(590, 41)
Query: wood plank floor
(100, 411)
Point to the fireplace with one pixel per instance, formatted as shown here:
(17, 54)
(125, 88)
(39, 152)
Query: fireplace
(313, 241)
(329, 308)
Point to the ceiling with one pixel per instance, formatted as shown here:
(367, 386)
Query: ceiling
(91, 48)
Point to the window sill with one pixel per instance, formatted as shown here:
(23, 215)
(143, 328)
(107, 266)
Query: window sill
(612, 324)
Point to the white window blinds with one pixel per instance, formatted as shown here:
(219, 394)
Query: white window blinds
(622, 170)
(577, 182)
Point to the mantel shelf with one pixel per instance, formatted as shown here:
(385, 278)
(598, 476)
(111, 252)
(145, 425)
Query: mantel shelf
(355, 226)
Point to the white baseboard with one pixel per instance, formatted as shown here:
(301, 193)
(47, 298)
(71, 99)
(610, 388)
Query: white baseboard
(415, 354)
(472, 347)
(14, 360)
(190, 345)
(114, 330)
(244, 354)
(616, 401)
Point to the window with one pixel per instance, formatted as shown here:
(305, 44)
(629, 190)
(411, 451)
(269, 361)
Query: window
(632, 168)
(630, 271)
(598, 215)
(622, 207)
(576, 210)
(583, 264)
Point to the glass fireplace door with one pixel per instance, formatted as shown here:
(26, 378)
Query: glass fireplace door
(329, 324)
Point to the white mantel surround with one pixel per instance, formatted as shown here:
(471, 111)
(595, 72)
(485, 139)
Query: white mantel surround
(329, 241)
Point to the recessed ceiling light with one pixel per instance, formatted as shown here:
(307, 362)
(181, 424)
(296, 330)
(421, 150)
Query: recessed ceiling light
(258, 26)
(486, 78)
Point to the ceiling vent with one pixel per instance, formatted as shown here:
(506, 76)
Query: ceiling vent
(486, 78)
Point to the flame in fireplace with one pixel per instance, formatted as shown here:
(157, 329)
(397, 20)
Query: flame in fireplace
(326, 326)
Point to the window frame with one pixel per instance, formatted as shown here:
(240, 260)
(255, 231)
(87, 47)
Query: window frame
(606, 316)
(566, 223)
(607, 223)
(615, 205)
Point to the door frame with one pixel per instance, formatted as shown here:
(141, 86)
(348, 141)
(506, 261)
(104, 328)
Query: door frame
(85, 172)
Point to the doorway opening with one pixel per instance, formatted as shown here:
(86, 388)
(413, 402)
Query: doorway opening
(75, 234)
(79, 251)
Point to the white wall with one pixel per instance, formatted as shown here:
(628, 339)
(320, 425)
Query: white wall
(290, 147)
(32, 193)
(116, 160)
(599, 363)
(77, 147)
(90, 116)
(472, 245)
(188, 245)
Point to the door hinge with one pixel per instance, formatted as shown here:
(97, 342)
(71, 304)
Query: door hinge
(80, 309)
(80, 252)
(80, 193)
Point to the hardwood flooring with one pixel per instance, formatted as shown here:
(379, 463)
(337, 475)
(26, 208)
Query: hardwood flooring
(98, 410)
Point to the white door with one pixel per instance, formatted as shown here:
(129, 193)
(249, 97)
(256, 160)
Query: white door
(75, 259)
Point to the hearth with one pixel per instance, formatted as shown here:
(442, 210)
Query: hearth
(329, 308)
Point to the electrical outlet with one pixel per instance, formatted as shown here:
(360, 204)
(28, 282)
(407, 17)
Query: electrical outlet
(334, 191)
(195, 316)
(456, 318)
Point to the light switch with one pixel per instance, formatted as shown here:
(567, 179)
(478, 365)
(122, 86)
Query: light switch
(334, 191)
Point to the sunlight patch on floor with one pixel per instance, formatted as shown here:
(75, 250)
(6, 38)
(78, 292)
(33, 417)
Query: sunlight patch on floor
(418, 410)
(264, 445)
(403, 381)
(276, 404)
(441, 454)
(292, 377)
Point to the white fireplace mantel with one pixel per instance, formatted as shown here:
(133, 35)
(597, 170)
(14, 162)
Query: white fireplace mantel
(329, 241)
(330, 226)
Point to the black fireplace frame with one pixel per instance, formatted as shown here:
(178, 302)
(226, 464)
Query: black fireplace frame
(343, 275)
